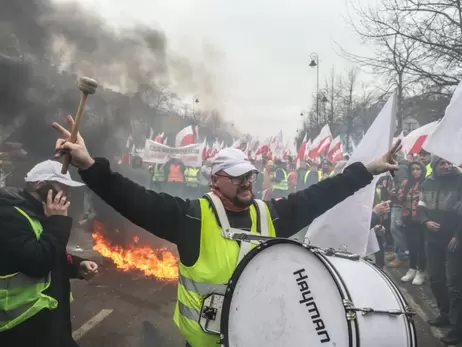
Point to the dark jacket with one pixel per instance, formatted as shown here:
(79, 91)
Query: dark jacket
(439, 197)
(401, 175)
(409, 193)
(20, 251)
(167, 217)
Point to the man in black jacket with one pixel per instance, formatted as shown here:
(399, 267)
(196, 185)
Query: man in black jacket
(440, 194)
(180, 221)
(34, 230)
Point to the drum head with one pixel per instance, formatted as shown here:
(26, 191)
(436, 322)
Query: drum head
(282, 295)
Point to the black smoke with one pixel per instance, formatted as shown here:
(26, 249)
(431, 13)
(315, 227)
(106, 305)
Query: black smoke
(44, 46)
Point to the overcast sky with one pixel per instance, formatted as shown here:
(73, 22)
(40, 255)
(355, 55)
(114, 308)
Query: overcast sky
(258, 50)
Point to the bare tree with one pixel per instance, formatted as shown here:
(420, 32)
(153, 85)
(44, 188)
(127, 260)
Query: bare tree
(393, 55)
(431, 31)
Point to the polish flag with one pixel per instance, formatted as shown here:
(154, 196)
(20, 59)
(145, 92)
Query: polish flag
(321, 143)
(264, 148)
(186, 136)
(335, 150)
(413, 142)
(159, 138)
(301, 152)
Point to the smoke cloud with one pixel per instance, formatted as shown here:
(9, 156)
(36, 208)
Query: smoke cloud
(44, 38)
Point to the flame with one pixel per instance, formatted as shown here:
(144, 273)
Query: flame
(160, 263)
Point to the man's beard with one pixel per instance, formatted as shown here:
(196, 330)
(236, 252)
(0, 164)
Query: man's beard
(239, 203)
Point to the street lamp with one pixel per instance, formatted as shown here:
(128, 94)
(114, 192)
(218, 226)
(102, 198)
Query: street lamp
(315, 63)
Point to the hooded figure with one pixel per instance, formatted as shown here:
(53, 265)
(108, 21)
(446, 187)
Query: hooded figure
(440, 195)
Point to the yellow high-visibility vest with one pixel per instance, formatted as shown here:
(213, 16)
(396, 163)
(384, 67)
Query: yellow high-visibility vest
(283, 184)
(429, 170)
(308, 173)
(21, 296)
(190, 176)
(158, 174)
(217, 261)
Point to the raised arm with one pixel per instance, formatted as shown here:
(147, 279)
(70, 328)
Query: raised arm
(158, 213)
(301, 208)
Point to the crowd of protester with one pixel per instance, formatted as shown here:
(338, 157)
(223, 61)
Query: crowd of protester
(417, 216)
(421, 228)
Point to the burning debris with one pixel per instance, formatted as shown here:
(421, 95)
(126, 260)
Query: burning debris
(160, 263)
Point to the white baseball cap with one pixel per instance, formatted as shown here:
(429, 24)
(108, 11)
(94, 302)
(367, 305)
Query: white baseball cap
(50, 170)
(232, 161)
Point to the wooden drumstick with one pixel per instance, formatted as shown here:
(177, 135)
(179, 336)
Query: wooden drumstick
(87, 86)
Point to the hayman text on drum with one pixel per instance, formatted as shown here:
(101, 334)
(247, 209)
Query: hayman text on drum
(308, 300)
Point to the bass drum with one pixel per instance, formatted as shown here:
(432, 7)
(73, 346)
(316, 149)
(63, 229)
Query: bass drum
(284, 293)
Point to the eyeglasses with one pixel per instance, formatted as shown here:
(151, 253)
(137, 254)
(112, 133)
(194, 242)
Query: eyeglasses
(248, 177)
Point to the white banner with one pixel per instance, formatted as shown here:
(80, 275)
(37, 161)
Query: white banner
(157, 153)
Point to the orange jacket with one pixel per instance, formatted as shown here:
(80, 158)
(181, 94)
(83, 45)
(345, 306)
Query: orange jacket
(175, 174)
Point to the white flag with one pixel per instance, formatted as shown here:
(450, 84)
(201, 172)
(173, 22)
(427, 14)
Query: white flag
(446, 140)
(348, 223)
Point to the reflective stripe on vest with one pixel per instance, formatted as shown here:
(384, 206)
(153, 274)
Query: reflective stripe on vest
(429, 170)
(216, 263)
(175, 174)
(190, 176)
(159, 174)
(283, 184)
(21, 296)
(319, 175)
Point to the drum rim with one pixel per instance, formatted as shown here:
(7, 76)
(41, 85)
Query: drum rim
(402, 301)
(224, 326)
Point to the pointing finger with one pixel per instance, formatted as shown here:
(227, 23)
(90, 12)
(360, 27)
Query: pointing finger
(70, 120)
(64, 132)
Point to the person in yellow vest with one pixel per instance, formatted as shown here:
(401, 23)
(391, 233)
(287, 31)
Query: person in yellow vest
(327, 169)
(426, 158)
(208, 256)
(191, 182)
(35, 267)
(312, 176)
(279, 181)
(157, 177)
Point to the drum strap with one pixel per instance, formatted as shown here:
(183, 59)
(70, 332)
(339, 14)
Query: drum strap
(236, 234)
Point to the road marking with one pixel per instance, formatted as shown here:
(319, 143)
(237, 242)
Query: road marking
(438, 333)
(91, 323)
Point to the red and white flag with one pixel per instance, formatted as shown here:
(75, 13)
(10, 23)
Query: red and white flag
(335, 150)
(413, 142)
(321, 143)
(186, 136)
(159, 138)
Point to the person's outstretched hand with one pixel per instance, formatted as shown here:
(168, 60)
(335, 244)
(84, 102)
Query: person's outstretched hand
(386, 162)
(80, 157)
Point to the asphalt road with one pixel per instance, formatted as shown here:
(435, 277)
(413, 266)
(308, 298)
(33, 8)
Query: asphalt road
(127, 309)
(119, 309)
